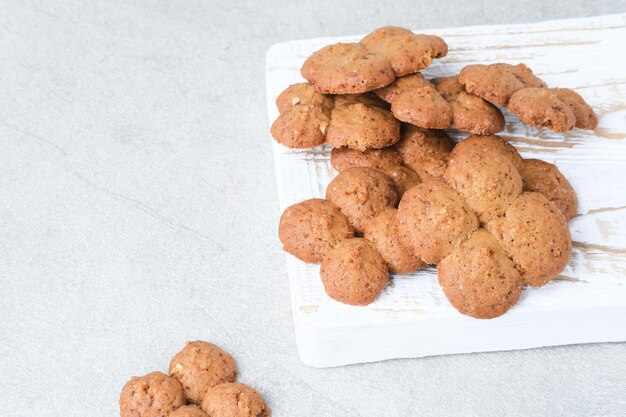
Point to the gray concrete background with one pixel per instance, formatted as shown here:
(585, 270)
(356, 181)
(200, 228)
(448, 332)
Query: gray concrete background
(138, 210)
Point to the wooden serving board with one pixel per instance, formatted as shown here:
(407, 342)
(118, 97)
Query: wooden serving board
(412, 318)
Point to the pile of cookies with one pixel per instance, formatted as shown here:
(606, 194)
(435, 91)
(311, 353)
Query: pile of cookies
(406, 195)
(201, 383)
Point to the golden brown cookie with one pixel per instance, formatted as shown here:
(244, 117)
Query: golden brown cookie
(201, 365)
(152, 395)
(478, 277)
(234, 400)
(354, 272)
(383, 232)
(414, 100)
(489, 144)
(358, 122)
(496, 83)
(344, 158)
(469, 112)
(433, 219)
(311, 228)
(361, 193)
(584, 114)
(489, 182)
(347, 68)
(425, 151)
(302, 94)
(408, 52)
(545, 178)
(188, 411)
(535, 235)
(542, 107)
(403, 178)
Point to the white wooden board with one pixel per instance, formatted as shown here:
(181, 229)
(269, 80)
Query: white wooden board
(412, 318)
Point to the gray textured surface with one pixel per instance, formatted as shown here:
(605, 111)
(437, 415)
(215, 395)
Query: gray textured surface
(138, 210)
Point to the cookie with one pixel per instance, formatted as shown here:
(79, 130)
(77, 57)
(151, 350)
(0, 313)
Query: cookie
(408, 52)
(433, 219)
(347, 68)
(403, 178)
(234, 400)
(200, 366)
(534, 233)
(469, 112)
(414, 100)
(479, 279)
(344, 158)
(425, 151)
(583, 113)
(354, 272)
(496, 83)
(311, 228)
(152, 395)
(488, 182)
(383, 232)
(542, 107)
(358, 122)
(545, 178)
(302, 94)
(489, 144)
(188, 411)
(361, 193)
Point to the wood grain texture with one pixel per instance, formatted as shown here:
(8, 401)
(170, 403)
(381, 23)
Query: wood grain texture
(412, 317)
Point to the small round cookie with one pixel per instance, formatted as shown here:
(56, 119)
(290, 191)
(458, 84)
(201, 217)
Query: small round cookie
(425, 151)
(584, 114)
(344, 158)
(408, 52)
(361, 193)
(488, 182)
(188, 411)
(302, 94)
(469, 112)
(401, 85)
(347, 68)
(201, 365)
(383, 232)
(361, 125)
(311, 228)
(542, 107)
(152, 395)
(479, 279)
(535, 235)
(403, 178)
(354, 272)
(433, 219)
(302, 126)
(234, 400)
(489, 144)
(496, 83)
(545, 178)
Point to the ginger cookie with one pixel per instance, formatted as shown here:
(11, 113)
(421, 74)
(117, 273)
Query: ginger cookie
(433, 219)
(358, 122)
(585, 116)
(188, 411)
(383, 232)
(361, 193)
(344, 158)
(479, 279)
(469, 112)
(347, 68)
(311, 228)
(545, 178)
(234, 400)
(425, 151)
(354, 272)
(542, 107)
(489, 144)
(302, 94)
(200, 366)
(414, 100)
(403, 178)
(534, 233)
(408, 52)
(496, 83)
(489, 182)
(152, 395)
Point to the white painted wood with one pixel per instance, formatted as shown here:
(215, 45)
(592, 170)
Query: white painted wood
(412, 318)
